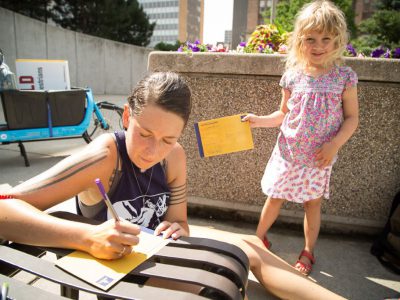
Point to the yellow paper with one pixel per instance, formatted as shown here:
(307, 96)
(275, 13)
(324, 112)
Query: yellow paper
(223, 135)
(105, 273)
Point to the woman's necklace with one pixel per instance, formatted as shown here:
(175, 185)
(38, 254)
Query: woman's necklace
(137, 181)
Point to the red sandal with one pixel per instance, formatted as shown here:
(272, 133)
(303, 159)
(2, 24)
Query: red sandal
(267, 243)
(307, 267)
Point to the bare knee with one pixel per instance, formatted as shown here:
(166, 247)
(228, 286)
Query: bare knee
(312, 205)
(276, 202)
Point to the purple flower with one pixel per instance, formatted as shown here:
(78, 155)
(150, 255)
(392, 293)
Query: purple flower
(242, 44)
(197, 42)
(396, 53)
(350, 49)
(387, 54)
(194, 48)
(260, 48)
(180, 49)
(378, 52)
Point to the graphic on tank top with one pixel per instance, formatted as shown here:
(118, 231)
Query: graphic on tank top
(143, 210)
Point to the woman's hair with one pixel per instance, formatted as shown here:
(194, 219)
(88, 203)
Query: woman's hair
(322, 16)
(167, 90)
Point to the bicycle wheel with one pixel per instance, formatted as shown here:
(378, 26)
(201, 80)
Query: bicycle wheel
(111, 113)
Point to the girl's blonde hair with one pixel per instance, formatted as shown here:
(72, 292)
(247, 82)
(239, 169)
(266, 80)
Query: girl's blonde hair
(321, 16)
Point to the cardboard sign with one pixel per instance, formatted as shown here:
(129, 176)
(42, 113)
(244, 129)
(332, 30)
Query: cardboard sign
(223, 135)
(43, 74)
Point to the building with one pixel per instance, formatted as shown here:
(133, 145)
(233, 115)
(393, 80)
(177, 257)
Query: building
(364, 9)
(175, 20)
(247, 14)
(228, 38)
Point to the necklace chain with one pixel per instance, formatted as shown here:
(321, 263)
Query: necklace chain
(137, 181)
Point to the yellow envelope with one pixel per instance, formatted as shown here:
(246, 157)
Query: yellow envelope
(223, 135)
(105, 273)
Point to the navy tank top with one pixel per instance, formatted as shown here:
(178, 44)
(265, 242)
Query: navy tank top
(139, 197)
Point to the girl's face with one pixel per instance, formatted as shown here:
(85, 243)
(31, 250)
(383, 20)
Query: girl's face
(151, 136)
(317, 48)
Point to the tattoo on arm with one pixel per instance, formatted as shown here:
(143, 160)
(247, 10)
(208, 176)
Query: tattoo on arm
(178, 194)
(85, 162)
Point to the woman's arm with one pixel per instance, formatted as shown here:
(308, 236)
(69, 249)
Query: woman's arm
(21, 218)
(71, 176)
(175, 222)
(20, 222)
(272, 120)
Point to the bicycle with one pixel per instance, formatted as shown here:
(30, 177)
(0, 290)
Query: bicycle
(46, 115)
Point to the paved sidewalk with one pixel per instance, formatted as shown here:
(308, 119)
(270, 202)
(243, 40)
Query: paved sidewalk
(344, 264)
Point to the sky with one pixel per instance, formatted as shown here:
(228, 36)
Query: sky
(217, 18)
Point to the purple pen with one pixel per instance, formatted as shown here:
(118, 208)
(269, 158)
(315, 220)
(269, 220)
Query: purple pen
(106, 199)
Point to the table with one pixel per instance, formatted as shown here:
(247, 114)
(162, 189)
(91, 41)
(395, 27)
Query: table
(221, 269)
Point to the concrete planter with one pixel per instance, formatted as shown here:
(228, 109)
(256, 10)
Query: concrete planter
(365, 178)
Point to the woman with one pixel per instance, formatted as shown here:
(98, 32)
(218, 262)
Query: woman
(144, 172)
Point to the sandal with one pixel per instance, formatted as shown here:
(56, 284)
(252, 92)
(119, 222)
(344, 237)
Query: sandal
(302, 265)
(267, 243)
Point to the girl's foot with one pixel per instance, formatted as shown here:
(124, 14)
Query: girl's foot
(267, 243)
(305, 262)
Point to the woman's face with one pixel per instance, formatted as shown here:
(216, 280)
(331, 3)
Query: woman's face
(151, 136)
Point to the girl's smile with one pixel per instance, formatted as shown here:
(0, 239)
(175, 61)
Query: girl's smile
(317, 47)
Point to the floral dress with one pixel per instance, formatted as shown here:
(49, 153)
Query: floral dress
(315, 116)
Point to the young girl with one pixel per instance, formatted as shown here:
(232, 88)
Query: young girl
(317, 116)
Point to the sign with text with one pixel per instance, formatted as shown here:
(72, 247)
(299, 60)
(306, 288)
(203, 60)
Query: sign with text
(42, 74)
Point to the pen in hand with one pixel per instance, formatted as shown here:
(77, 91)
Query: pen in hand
(106, 199)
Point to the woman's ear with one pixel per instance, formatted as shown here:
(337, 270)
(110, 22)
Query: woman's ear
(125, 116)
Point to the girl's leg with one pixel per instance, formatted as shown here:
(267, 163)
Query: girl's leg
(312, 224)
(268, 216)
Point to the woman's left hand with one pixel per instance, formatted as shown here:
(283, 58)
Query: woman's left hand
(324, 155)
(168, 229)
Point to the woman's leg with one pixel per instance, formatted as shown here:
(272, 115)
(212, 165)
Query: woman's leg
(277, 276)
(268, 216)
(312, 224)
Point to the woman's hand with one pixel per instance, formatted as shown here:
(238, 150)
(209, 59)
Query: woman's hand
(168, 229)
(324, 155)
(112, 239)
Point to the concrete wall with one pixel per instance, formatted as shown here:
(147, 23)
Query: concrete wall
(106, 66)
(365, 178)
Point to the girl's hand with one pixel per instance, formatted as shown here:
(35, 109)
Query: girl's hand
(324, 155)
(252, 118)
(112, 239)
(174, 230)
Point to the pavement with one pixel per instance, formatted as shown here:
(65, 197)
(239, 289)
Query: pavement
(344, 263)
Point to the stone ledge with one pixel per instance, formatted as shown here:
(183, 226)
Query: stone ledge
(209, 208)
(384, 70)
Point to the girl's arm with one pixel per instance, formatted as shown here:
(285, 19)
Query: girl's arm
(175, 222)
(327, 152)
(272, 120)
